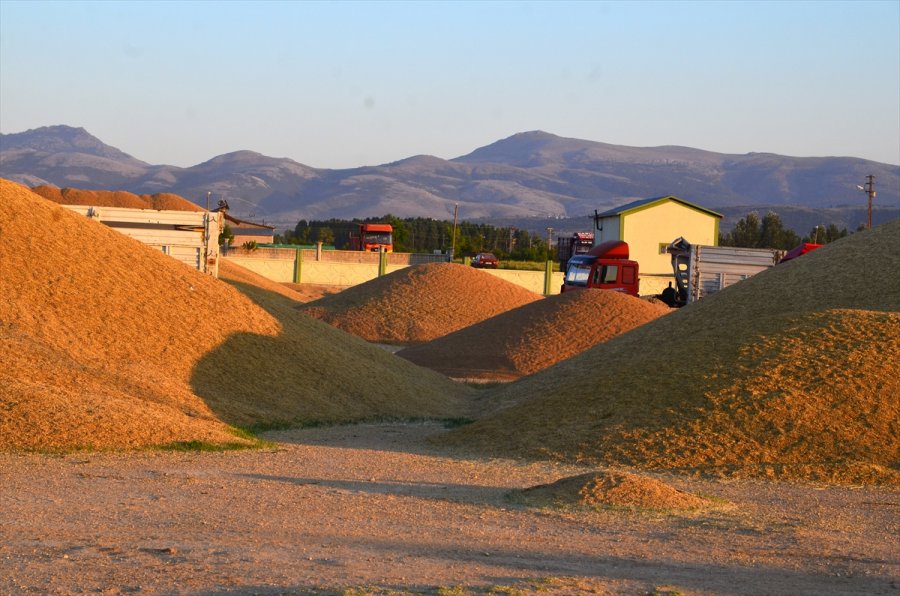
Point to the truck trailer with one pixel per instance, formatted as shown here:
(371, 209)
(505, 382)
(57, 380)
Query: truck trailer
(703, 270)
(699, 270)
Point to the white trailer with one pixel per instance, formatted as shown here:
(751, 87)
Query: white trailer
(703, 270)
(191, 237)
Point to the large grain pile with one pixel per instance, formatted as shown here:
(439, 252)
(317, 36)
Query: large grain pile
(107, 343)
(534, 336)
(420, 303)
(115, 198)
(793, 373)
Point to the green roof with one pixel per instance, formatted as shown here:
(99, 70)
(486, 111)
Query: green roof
(645, 203)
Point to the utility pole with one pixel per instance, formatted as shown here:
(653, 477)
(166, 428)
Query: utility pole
(549, 241)
(870, 190)
(453, 242)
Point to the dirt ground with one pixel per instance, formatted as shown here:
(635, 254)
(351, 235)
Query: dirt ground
(379, 509)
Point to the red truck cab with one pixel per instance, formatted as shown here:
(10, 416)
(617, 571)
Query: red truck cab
(605, 267)
(373, 237)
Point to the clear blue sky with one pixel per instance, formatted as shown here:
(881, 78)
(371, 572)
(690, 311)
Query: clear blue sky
(345, 84)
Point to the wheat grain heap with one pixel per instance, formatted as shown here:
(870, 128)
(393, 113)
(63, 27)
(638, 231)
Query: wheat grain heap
(420, 303)
(108, 343)
(609, 489)
(534, 336)
(793, 373)
(115, 198)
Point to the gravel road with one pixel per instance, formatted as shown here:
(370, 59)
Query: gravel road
(377, 509)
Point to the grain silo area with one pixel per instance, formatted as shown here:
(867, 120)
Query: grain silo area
(163, 431)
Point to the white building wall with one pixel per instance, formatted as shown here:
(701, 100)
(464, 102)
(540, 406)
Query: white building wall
(191, 237)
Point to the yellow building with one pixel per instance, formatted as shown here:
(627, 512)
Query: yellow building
(648, 226)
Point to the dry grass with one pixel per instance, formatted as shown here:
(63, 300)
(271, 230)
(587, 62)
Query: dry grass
(532, 337)
(420, 303)
(108, 343)
(794, 373)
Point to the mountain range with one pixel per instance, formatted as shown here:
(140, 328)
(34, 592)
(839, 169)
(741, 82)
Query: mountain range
(530, 180)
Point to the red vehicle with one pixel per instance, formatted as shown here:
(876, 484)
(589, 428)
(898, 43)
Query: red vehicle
(606, 267)
(372, 237)
(798, 251)
(485, 260)
(579, 243)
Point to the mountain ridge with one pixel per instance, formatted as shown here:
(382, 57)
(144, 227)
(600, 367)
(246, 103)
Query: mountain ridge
(531, 175)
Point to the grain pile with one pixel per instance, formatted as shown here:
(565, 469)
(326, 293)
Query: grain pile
(419, 303)
(115, 198)
(108, 343)
(236, 274)
(609, 489)
(793, 373)
(534, 336)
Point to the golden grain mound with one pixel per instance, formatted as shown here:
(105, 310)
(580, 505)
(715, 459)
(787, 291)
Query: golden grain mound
(534, 336)
(609, 489)
(115, 198)
(420, 303)
(793, 373)
(107, 343)
(235, 274)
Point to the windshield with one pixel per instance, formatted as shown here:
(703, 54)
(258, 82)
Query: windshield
(577, 275)
(378, 238)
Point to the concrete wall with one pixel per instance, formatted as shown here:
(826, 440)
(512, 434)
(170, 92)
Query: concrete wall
(280, 265)
(276, 269)
(530, 280)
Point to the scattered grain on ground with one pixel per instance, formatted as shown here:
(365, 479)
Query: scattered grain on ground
(609, 489)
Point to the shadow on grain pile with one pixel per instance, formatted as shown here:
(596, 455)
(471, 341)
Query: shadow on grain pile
(419, 303)
(793, 373)
(535, 336)
(109, 344)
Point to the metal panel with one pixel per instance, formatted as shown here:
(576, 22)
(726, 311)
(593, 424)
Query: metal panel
(714, 268)
(188, 236)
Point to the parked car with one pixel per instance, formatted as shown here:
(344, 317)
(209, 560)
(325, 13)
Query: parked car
(485, 260)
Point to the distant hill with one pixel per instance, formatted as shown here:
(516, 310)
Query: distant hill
(532, 178)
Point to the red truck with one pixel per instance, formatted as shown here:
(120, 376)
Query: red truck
(606, 267)
(373, 237)
(578, 243)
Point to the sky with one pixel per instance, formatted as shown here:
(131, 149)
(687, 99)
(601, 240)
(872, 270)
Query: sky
(346, 84)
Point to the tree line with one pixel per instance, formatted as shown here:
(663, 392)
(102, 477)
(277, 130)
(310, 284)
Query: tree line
(769, 232)
(425, 235)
